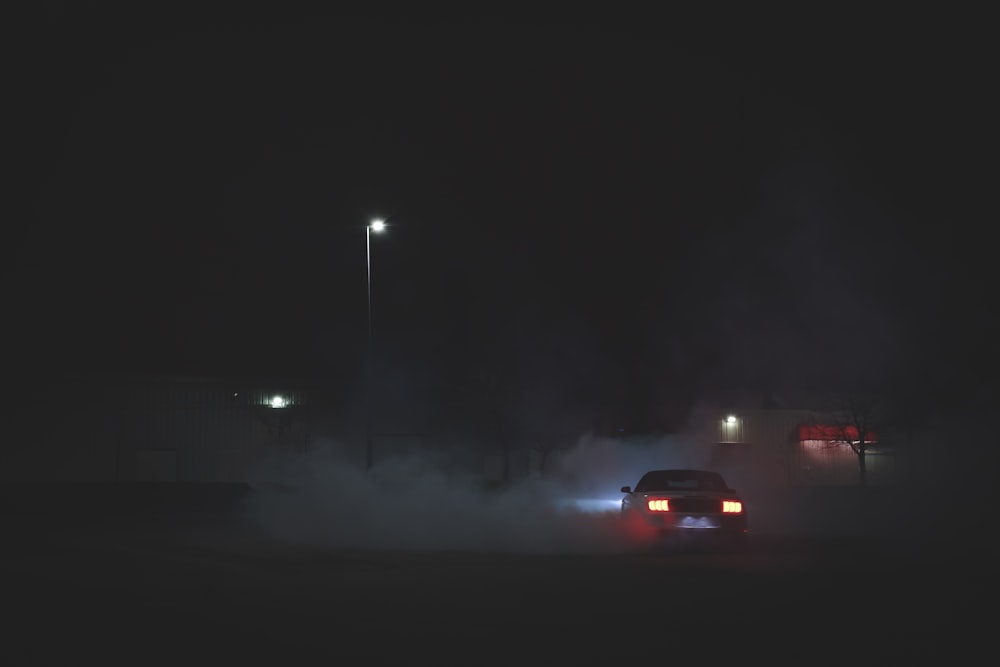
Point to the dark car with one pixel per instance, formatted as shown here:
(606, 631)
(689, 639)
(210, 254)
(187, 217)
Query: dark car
(685, 506)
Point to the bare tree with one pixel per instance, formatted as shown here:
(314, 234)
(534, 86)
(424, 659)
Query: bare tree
(857, 421)
(544, 446)
(492, 389)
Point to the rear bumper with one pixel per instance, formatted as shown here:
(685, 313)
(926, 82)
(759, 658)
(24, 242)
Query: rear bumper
(683, 528)
(695, 524)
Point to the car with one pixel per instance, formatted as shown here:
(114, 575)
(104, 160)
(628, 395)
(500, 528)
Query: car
(685, 506)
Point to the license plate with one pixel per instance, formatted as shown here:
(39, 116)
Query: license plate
(698, 522)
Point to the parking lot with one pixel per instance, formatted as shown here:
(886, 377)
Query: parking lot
(169, 593)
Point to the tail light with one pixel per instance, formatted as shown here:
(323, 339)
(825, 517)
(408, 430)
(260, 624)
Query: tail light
(658, 505)
(732, 507)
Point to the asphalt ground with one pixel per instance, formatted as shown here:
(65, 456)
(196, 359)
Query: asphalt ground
(205, 589)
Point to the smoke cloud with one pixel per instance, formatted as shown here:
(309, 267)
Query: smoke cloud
(416, 502)
(422, 502)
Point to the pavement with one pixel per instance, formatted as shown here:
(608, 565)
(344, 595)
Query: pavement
(155, 583)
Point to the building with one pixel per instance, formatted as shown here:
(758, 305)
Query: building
(198, 429)
(776, 442)
(153, 429)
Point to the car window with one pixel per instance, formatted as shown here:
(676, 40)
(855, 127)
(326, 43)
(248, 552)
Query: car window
(680, 480)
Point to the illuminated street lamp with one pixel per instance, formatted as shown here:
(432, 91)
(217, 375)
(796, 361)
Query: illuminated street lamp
(377, 225)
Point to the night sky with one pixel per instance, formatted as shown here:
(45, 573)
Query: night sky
(603, 206)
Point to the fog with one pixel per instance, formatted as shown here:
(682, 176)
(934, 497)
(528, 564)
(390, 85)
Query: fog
(324, 498)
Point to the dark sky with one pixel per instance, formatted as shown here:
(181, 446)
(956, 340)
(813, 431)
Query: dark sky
(660, 201)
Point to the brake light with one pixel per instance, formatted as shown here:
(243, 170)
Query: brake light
(732, 506)
(659, 505)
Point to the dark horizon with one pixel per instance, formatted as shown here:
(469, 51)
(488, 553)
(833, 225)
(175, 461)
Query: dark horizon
(613, 208)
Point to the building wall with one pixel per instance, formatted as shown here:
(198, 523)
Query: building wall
(152, 430)
(816, 462)
(192, 430)
(762, 447)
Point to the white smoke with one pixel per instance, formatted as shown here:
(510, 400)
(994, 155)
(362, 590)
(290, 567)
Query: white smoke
(419, 501)
(416, 502)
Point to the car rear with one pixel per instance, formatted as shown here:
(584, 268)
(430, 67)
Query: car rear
(691, 517)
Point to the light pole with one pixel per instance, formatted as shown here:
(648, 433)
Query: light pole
(377, 225)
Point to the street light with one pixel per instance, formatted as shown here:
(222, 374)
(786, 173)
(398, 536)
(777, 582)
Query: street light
(377, 225)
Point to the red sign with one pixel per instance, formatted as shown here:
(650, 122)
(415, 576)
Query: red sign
(831, 432)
